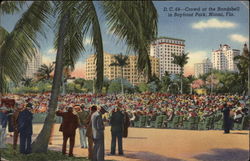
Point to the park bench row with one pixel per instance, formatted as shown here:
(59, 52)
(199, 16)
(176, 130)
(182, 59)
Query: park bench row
(214, 122)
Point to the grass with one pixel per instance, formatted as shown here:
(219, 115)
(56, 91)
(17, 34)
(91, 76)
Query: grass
(13, 155)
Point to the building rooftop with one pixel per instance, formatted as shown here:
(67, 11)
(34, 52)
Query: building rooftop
(164, 37)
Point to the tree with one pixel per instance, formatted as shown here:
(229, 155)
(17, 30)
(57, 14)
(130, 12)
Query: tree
(181, 61)
(106, 84)
(44, 72)
(74, 20)
(121, 61)
(165, 82)
(69, 36)
(135, 23)
(244, 66)
(20, 45)
(27, 82)
(80, 81)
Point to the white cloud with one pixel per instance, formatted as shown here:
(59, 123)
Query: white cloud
(52, 51)
(213, 23)
(238, 38)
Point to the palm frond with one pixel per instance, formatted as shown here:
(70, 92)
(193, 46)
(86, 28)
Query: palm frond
(91, 24)
(20, 45)
(10, 7)
(134, 22)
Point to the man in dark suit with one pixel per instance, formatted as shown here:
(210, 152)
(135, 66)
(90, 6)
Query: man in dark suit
(25, 129)
(117, 124)
(18, 108)
(68, 127)
(227, 121)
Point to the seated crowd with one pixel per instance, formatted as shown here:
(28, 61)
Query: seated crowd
(147, 104)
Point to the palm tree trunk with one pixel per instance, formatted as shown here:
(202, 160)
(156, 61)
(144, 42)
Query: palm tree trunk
(63, 85)
(41, 142)
(122, 81)
(248, 81)
(181, 80)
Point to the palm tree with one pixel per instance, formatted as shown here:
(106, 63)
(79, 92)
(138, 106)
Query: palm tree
(134, 22)
(181, 61)
(27, 82)
(69, 38)
(244, 65)
(20, 45)
(44, 72)
(121, 61)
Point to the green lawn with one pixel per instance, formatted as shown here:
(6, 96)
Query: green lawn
(12, 155)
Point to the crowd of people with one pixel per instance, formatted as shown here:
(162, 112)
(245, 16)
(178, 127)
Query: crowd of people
(89, 113)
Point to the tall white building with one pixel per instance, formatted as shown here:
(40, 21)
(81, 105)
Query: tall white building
(163, 48)
(223, 58)
(202, 68)
(33, 65)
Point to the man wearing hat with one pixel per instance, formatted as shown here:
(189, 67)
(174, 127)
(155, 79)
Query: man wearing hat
(3, 122)
(82, 115)
(226, 119)
(98, 133)
(25, 129)
(18, 108)
(117, 123)
(68, 127)
(89, 132)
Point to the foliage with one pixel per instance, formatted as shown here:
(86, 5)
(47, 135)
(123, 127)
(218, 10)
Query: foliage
(181, 61)
(35, 87)
(165, 82)
(44, 72)
(120, 61)
(13, 155)
(134, 22)
(80, 81)
(115, 86)
(143, 87)
(27, 82)
(20, 45)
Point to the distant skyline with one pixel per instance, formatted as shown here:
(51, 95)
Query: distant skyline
(201, 34)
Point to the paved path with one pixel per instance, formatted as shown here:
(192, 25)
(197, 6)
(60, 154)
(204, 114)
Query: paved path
(146, 144)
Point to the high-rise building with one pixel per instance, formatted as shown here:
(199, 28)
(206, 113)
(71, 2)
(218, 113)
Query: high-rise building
(163, 48)
(130, 71)
(223, 58)
(202, 68)
(33, 65)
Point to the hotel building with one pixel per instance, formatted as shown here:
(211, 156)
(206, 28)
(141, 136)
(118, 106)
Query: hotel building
(33, 65)
(163, 48)
(223, 58)
(202, 68)
(130, 71)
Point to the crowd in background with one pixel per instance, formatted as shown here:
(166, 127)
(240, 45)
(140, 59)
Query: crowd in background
(150, 104)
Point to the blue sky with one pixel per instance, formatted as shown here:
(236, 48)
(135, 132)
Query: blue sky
(201, 34)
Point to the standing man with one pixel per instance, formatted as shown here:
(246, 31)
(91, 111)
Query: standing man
(25, 129)
(82, 115)
(3, 123)
(89, 132)
(68, 127)
(15, 115)
(126, 123)
(226, 114)
(98, 133)
(117, 126)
